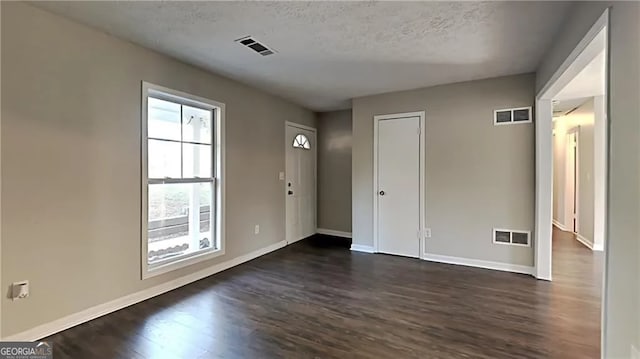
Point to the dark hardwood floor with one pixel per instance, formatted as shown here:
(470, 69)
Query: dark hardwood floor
(319, 300)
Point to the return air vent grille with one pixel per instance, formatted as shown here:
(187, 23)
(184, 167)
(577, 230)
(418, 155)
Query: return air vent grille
(512, 116)
(255, 45)
(511, 237)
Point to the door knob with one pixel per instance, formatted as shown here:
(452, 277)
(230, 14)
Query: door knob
(382, 193)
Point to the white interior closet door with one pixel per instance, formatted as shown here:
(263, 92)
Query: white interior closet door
(398, 197)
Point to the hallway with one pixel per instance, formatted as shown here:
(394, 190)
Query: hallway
(577, 274)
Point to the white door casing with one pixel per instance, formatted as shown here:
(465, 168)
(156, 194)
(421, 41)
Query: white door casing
(584, 52)
(571, 181)
(399, 184)
(589, 46)
(300, 183)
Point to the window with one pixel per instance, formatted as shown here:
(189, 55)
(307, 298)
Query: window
(512, 116)
(511, 237)
(181, 184)
(301, 141)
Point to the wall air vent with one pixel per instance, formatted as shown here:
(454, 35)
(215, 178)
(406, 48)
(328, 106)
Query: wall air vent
(512, 115)
(255, 45)
(511, 237)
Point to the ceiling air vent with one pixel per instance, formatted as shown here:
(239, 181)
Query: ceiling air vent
(255, 45)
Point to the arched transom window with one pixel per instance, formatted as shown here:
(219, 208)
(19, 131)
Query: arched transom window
(301, 141)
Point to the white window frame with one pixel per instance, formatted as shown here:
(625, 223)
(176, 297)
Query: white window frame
(218, 173)
(512, 110)
(511, 232)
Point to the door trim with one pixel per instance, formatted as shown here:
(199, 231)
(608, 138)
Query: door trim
(315, 174)
(422, 170)
(304, 127)
(573, 222)
(577, 60)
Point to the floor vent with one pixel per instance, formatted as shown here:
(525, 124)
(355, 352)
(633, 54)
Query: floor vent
(511, 237)
(255, 45)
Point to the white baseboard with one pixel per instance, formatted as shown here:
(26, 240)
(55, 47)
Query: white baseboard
(506, 267)
(580, 238)
(541, 277)
(297, 240)
(361, 248)
(584, 241)
(86, 315)
(560, 225)
(331, 232)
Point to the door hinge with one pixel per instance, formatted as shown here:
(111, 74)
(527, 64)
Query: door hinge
(418, 130)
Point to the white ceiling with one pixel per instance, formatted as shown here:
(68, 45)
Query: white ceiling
(563, 107)
(589, 82)
(330, 52)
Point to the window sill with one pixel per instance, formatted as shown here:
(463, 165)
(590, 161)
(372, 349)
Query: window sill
(149, 271)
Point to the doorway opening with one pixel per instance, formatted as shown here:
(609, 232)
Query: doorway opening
(579, 169)
(571, 170)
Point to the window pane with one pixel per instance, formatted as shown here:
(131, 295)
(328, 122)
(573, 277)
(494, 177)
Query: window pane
(163, 119)
(179, 220)
(301, 141)
(168, 201)
(168, 225)
(196, 125)
(196, 161)
(164, 159)
(206, 216)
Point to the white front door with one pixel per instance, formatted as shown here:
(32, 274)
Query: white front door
(300, 182)
(398, 192)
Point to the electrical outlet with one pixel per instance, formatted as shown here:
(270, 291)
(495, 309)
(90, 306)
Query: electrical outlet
(257, 229)
(281, 176)
(427, 233)
(20, 290)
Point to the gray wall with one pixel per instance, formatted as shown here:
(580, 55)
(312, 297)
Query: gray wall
(71, 163)
(585, 177)
(334, 170)
(478, 176)
(583, 118)
(622, 294)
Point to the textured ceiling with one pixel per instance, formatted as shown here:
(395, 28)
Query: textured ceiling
(330, 52)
